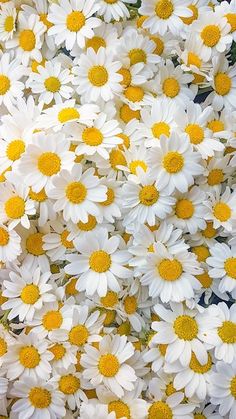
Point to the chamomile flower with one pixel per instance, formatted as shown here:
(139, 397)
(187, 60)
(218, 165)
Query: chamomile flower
(56, 243)
(111, 207)
(113, 10)
(7, 21)
(11, 88)
(215, 173)
(222, 388)
(223, 83)
(90, 409)
(220, 209)
(228, 10)
(64, 355)
(71, 383)
(10, 244)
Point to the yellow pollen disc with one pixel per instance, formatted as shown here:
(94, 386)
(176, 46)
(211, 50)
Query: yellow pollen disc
(108, 365)
(40, 398)
(185, 327)
(27, 40)
(148, 195)
(140, 20)
(68, 244)
(90, 225)
(231, 18)
(78, 335)
(124, 329)
(170, 389)
(170, 270)
(15, 148)
(100, 261)
(126, 237)
(98, 75)
(110, 299)
(215, 177)
(184, 209)
(96, 42)
(160, 410)
(198, 78)
(171, 87)
(134, 93)
(4, 237)
(110, 317)
(159, 45)
(215, 125)
(68, 114)
(210, 35)
(197, 367)
(34, 244)
(199, 416)
(38, 196)
(137, 163)
(70, 287)
(110, 198)
(76, 192)
(52, 84)
(190, 19)
(92, 136)
(30, 294)
(173, 162)
(117, 158)
(230, 267)
(227, 332)
(49, 163)
(9, 24)
(127, 114)
(2, 299)
(160, 128)
(43, 17)
(29, 357)
(193, 59)
(91, 393)
(233, 387)
(35, 64)
(5, 84)
(69, 384)
(58, 351)
(162, 348)
(223, 84)
(209, 231)
(130, 304)
(125, 73)
(137, 55)
(164, 9)
(75, 21)
(195, 132)
(3, 347)
(202, 253)
(120, 408)
(222, 211)
(52, 320)
(15, 207)
(111, 1)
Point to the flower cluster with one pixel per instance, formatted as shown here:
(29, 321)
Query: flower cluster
(117, 209)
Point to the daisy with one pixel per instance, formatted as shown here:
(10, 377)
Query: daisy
(128, 310)
(114, 9)
(36, 398)
(11, 71)
(71, 384)
(221, 209)
(7, 21)
(6, 341)
(26, 292)
(175, 163)
(136, 158)
(198, 8)
(81, 229)
(92, 408)
(136, 97)
(215, 173)
(45, 157)
(222, 388)
(155, 354)
(228, 10)
(10, 244)
(56, 243)
(64, 355)
(108, 365)
(111, 207)
(97, 75)
(77, 193)
(73, 22)
(43, 205)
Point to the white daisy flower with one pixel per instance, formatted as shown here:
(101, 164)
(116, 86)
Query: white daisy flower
(155, 354)
(198, 8)
(216, 172)
(228, 10)
(111, 207)
(10, 73)
(222, 388)
(220, 208)
(64, 355)
(81, 229)
(33, 255)
(114, 9)
(10, 244)
(43, 205)
(91, 409)
(6, 341)
(56, 242)
(7, 21)
(136, 157)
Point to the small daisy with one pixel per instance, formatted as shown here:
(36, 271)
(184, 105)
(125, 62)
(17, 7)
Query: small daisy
(215, 173)
(114, 9)
(136, 158)
(10, 244)
(93, 409)
(10, 73)
(64, 355)
(56, 242)
(129, 310)
(7, 21)
(220, 208)
(71, 384)
(228, 10)
(111, 207)
(224, 85)
(222, 389)
(43, 205)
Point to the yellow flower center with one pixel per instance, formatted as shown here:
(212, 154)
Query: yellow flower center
(215, 125)
(76, 192)
(173, 162)
(68, 244)
(52, 320)
(111, 1)
(92, 136)
(38, 196)
(108, 365)
(15, 207)
(68, 114)
(215, 177)
(90, 225)
(164, 9)
(9, 24)
(30, 294)
(40, 398)
(137, 55)
(98, 75)
(117, 158)
(140, 20)
(3, 347)
(204, 279)
(222, 211)
(110, 317)
(231, 18)
(148, 195)
(185, 327)
(43, 17)
(52, 84)
(230, 267)
(170, 389)
(199, 416)
(120, 408)
(193, 59)
(160, 410)
(75, 21)
(197, 367)
(134, 93)
(210, 35)
(195, 132)
(127, 114)
(96, 42)
(69, 384)
(130, 304)
(190, 19)
(27, 40)
(35, 64)
(233, 387)
(160, 128)
(209, 231)
(49, 163)
(4, 237)
(137, 163)
(202, 253)
(170, 270)
(159, 45)
(29, 357)
(34, 244)
(171, 87)
(78, 335)
(223, 84)
(162, 348)
(70, 287)
(110, 198)
(5, 84)
(227, 332)
(100, 261)
(58, 351)
(184, 209)
(110, 299)
(15, 148)
(125, 73)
